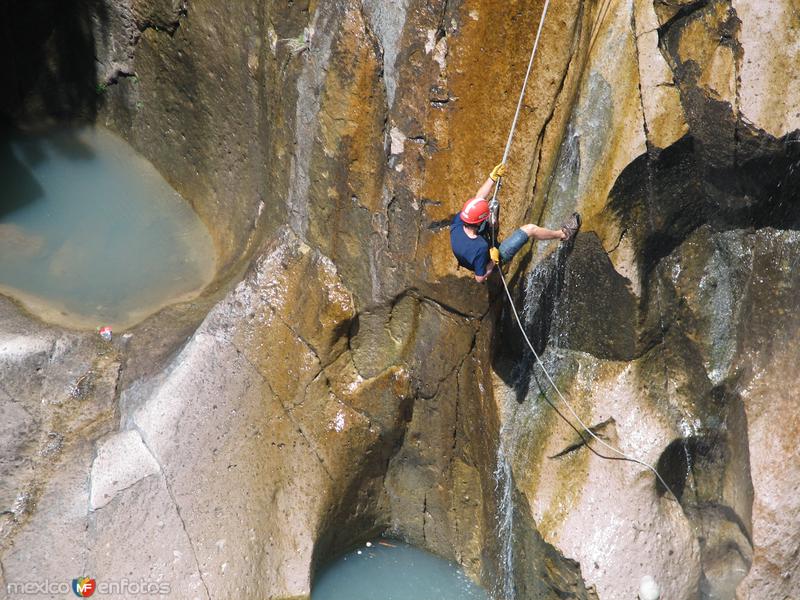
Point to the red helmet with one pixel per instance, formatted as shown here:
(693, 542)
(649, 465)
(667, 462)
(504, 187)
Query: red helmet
(475, 211)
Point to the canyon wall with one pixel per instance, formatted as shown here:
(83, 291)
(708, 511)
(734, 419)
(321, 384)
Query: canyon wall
(343, 378)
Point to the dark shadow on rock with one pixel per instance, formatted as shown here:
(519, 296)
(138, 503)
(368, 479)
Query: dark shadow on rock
(355, 515)
(710, 473)
(662, 199)
(534, 291)
(725, 173)
(673, 466)
(558, 303)
(48, 59)
(592, 287)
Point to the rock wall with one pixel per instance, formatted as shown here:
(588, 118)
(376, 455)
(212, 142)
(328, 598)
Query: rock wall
(341, 388)
(342, 378)
(681, 173)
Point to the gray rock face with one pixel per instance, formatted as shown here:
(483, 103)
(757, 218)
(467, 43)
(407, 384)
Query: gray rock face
(122, 460)
(58, 393)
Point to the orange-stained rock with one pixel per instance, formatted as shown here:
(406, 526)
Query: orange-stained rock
(343, 378)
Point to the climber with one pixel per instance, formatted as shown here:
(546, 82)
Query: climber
(469, 233)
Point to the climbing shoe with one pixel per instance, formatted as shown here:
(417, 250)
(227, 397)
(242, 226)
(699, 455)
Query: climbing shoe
(571, 226)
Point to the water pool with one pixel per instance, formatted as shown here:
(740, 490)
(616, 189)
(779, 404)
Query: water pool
(391, 570)
(91, 234)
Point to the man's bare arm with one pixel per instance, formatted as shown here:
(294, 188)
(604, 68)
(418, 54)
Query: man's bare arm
(489, 269)
(485, 189)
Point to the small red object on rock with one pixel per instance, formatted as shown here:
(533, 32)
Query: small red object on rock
(105, 333)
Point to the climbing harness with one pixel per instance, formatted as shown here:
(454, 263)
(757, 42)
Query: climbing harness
(494, 207)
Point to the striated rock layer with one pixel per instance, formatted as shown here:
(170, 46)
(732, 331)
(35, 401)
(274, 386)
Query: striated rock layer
(343, 378)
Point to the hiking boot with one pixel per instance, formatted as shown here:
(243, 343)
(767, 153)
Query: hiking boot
(571, 226)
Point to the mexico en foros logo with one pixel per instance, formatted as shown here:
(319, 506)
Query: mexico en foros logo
(83, 586)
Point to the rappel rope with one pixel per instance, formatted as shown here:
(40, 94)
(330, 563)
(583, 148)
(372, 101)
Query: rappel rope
(494, 205)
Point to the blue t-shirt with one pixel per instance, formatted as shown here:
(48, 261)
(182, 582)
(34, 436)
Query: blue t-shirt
(472, 254)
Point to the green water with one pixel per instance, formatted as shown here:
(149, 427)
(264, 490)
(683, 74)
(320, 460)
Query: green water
(91, 234)
(396, 572)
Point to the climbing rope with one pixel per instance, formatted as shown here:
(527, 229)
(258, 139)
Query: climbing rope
(494, 204)
(493, 222)
(583, 425)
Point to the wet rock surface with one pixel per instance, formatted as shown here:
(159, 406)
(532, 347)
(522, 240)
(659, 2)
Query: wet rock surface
(342, 378)
(690, 234)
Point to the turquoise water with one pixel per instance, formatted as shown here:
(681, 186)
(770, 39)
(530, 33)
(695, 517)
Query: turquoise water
(91, 234)
(390, 570)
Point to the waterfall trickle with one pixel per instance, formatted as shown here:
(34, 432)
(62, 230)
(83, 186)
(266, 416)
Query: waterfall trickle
(518, 418)
(504, 488)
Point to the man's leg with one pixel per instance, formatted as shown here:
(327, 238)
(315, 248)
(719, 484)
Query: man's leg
(514, 243)
(542, 233)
